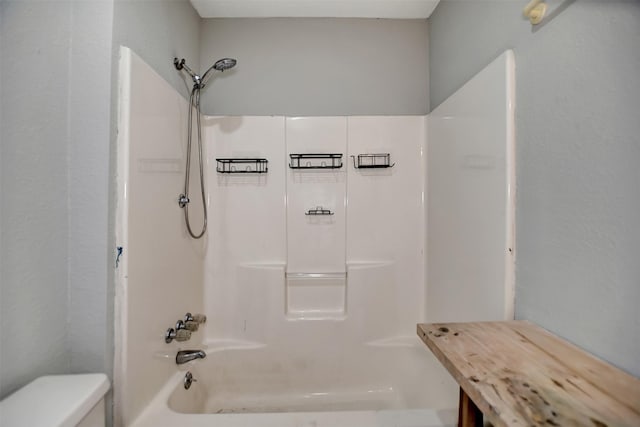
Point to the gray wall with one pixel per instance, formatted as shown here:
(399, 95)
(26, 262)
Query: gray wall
(578, 97)
(56, 241)
(54, 92)
(315, 67)
(158, 31)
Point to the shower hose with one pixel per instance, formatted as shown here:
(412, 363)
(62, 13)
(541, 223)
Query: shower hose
(194, 103)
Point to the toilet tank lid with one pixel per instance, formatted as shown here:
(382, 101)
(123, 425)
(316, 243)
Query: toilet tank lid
(54, 400)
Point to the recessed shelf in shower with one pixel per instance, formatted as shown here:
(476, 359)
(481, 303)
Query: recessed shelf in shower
(241, 165)
(371, 161)
(316, 161)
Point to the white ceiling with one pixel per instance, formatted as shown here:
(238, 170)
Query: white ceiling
(397, 9)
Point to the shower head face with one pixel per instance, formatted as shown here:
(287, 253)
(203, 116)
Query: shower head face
(220, 65)
(224, 64)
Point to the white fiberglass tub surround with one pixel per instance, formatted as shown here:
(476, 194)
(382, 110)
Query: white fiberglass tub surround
(311, 319)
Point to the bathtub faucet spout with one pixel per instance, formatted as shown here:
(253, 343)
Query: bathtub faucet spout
(185, 356)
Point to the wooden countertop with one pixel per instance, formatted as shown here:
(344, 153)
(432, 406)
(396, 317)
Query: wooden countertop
(519, 374)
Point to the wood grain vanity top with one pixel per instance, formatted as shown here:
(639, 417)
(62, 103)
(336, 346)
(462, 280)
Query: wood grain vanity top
(519, 374)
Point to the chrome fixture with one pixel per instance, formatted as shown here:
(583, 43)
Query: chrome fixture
(183, 201)
(189, 325)
(220, 65)
(176, 334)
(188, 380)
(185, 356)
(198, 318)
(194, 103)
(184, 328)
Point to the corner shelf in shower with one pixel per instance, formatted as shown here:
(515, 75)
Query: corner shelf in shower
(372, 161)
(240, 165)
(316, 161)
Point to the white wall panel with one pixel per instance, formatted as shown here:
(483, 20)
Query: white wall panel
(385, 219)
(316, 244)
(471, 188)
(160, 273)
(247, 225)
(375, 242)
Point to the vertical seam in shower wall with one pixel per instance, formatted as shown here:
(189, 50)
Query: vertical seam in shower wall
(424, 149)
(286, 214)
(68, 189)
(345, 203)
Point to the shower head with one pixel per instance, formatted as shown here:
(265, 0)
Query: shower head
(220, 65)
(224, 64)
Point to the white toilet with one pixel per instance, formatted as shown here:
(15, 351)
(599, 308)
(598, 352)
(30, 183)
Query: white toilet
(57, 401)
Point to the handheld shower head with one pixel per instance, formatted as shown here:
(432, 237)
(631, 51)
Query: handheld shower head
(224, 64)
(220, 65)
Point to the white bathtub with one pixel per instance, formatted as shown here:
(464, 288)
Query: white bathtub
(397, 384)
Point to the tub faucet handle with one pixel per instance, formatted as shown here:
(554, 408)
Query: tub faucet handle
(189, 325)
(198, 318)
(176, 334)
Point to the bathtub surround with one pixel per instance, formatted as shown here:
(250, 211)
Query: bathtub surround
(471, 199)
(370, 250)
(160, 274)
(303, 310)
(318, 67)
(578, 94)
(576, 176)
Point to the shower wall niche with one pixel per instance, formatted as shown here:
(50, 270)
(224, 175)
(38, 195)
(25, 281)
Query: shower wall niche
(315, 244)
